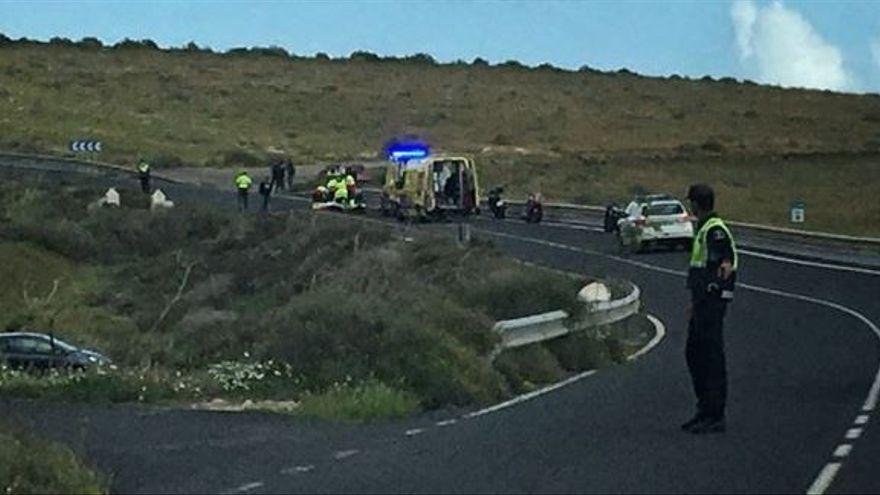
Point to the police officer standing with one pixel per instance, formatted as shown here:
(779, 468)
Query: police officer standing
(265, 192)
(711, 280)
(243, 186)
(289, 172)
(143, 170)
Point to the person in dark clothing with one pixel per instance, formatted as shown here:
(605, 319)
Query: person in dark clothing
(289, 171)
(711, 280)
(265, 192)
(277, 176)
(143, 169)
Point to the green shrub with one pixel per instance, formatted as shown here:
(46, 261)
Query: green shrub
(525, 367)
(32, 465)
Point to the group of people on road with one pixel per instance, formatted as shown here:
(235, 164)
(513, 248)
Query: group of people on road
(341, 187)
(281, 174)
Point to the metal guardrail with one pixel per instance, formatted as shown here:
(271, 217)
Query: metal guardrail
(82, 162)
(545, 326)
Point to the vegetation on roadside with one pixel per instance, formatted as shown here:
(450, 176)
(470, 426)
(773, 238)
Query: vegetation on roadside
(582, 135)
(32, 465)
(201, 302)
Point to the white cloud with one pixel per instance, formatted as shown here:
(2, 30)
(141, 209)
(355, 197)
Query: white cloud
(785, 49)
(744, 14)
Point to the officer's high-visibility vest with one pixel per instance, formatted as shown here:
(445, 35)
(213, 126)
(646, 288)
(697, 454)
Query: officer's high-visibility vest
(700, 252)
(143, 167)
(341, 192)
(243, 182)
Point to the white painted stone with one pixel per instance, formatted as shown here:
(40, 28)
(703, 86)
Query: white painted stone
(159, 200)
(111, 197)
(595, 292)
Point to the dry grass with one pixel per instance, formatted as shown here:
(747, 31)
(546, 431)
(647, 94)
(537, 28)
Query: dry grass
(600, 135)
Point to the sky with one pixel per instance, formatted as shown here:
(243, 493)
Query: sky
(817, 44)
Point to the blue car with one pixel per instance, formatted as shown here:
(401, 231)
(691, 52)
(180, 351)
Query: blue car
(37, 351)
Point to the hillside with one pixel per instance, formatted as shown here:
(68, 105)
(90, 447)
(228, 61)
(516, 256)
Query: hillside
(544, 128)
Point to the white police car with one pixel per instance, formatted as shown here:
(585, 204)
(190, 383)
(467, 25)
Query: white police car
(656, 219)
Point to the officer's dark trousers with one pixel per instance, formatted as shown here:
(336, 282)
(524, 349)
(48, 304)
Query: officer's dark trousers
(145, 185)
(242, 199)
(705, 357)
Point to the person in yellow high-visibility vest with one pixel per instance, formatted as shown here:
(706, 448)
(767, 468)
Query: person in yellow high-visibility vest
(340, 194)
(711, 280)
(243, 184)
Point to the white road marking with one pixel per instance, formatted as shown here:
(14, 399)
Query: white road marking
(530, 395)
(862, 419)
(853, 433)
(815, 264)
(448, 422)
(843, 450)
(414, 431)
(344, 454)
(826, 476)
(298, 469)
(658, 336)
(247, 487)
(748, 252)
(573, 226)
(823, 481)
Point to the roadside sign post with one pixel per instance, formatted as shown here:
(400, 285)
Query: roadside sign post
(797, 211)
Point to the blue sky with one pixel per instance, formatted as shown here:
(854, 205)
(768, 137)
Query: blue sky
(825, 44)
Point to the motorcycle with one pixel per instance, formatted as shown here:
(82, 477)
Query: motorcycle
(613, 215)
(497, 205)
(534, 211)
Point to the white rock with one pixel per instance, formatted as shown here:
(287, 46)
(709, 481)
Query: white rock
(595, 292)
(111, 197)
(159, 200)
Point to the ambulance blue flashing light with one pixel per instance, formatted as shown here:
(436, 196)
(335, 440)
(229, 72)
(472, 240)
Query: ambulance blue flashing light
(404, 153)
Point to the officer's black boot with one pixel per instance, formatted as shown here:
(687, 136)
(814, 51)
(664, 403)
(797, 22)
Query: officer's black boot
(697, 419)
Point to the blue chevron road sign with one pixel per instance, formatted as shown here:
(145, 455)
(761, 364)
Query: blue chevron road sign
(85, 145)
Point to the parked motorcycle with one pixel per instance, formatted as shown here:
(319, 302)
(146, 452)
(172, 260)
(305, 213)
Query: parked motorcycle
(534, 211)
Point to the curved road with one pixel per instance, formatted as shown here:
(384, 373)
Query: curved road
(803, 368)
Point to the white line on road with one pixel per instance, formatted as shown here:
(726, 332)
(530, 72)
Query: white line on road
(809, 263)
(298, 469)
(573, 227)
(530, 395)
(861, 419)
(748, 252)
(414, 431)
(826, 476)
(843, 450)
(660, 332)
(344, 454)
(823, 481)
(853, 433)
(658, 336)
(448, 422)
(247, 487)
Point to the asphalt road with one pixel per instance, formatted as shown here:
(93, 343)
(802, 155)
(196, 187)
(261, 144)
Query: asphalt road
(802, 360)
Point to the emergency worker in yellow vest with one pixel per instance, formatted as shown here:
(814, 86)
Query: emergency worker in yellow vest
(243, 184)
(340, 194)
(711, 280)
